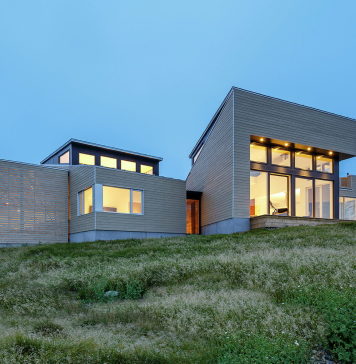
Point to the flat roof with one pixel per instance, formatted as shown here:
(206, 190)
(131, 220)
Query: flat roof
(212, 121)
(89, 144)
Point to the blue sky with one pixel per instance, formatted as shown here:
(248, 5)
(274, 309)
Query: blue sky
(148, 75)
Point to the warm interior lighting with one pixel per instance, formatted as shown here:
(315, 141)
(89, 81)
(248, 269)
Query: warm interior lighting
(262, 139)
(286, 144)
(128, 166)
(331, 153)
(146, 169)
(64, 158)
(309, 149)
(108, 162)
(258, 153)
(86, 159)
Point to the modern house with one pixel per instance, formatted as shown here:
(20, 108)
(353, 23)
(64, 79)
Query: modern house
(261, 162)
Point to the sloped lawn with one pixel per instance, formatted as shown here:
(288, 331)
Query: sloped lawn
(258, 297)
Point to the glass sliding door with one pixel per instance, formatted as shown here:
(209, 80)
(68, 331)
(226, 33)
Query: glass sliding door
(258, 193)
(324, 199)
(279, 195)
(303, 197)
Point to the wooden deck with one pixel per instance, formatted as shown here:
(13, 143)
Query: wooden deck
(273, 221)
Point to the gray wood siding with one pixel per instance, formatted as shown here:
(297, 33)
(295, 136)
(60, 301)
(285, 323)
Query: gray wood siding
(80, 178)
(256, 114)
(33, 203)
(164, 203)
(212, 172)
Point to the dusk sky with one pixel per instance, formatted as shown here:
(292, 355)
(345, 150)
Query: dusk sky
(147, 76)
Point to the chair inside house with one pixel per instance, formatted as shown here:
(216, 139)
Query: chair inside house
(279, 211)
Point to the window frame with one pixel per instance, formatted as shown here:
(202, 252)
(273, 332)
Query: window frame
(131, 200)
(85, 164)
(79, 201)
(105, 156)
(59, 158)
(291, 159)
(327, 157)
(146, 165)
(261, 145)
(125, 160)
(313, 165)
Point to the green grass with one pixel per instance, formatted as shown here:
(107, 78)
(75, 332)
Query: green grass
(256, 297)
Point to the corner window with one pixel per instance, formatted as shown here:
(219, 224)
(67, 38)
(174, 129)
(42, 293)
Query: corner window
(128, 166)
(324, 164)
(258, 153)
(64, 158)
(108, 162)
(303, 161)
(281, 157)
(146, 169)
(86, 159)
(85, 201)
(122, 200)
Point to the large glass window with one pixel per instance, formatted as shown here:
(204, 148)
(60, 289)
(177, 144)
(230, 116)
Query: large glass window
(64, 158)
(85, 201)
(323, 199)
(279, 195)
(86, 159)
(108, 162)
(258, 153)
(258, 193)
(304, 197)
(348, 208)
(281, 157)
(128, 166)
(324, 164)
(303, 161)
(122, 200)
(146, 169)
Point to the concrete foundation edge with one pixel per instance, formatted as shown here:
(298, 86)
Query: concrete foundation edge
(229, 226)
(94, 235)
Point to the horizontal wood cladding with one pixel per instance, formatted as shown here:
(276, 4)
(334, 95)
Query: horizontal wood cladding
(33, 203)
(80, 178)
(273, 118)
(259, 115)
(212, 173)
(164, 203)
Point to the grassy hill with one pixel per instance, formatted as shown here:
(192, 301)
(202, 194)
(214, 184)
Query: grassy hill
(257, 297)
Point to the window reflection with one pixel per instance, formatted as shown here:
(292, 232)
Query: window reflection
(304, 197)
(323, 199)
(324, 164)
(281, 157)
(304, 161)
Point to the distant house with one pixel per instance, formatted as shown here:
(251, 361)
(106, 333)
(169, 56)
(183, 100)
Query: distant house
(261, 162)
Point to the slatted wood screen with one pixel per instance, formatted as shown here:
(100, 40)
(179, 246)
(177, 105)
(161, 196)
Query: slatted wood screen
(33, 203)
